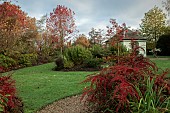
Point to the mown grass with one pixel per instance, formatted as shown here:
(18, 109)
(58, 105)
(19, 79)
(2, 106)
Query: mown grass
(39, 85)
(163, 64)
(151, 56)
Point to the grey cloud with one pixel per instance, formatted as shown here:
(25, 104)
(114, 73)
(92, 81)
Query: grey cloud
(94, 13)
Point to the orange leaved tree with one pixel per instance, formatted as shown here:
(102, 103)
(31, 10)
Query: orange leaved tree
(82, 40)
(12, 24)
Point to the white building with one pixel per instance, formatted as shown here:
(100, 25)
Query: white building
(141, 42)
(138, 40)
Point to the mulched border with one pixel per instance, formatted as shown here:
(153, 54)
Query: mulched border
(79, 68)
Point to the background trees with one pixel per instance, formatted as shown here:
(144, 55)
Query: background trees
(164, 44)
(12, 25)
(17, 30)
(60, 24)
(96, 36)
(18, 34)
(153, 25)
(166, 5)
(82, 40)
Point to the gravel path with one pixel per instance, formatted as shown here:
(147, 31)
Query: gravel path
(67, 105)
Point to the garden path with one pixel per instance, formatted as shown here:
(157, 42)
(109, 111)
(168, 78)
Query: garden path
(67, 105)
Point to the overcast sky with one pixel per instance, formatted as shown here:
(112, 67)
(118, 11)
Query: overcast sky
(94, 13)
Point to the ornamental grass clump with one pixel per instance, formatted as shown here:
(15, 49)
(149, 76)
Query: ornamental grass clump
(115, 88)
(152, 100)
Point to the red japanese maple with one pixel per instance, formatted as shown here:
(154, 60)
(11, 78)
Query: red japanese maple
(116, 31)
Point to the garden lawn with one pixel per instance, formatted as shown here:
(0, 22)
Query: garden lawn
(39, 85)
(151, 56)
(163, 64)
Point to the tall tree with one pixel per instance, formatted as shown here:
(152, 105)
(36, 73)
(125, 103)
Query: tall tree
(44, 42)
(96, 36)
(41, 23)
(116, 33)
(166, 5)
(12, 24)
(153, 25)
(61, 24)
(29, 36)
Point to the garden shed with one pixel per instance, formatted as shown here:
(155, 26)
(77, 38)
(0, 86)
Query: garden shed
(138, 40)
(128, 36)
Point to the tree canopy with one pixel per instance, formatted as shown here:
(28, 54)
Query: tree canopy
(153, 24)
(61, 23)
(164, 44)
(14, 23)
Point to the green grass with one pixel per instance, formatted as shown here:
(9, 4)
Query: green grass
(151, 56)
(163, 64)
(39, 85)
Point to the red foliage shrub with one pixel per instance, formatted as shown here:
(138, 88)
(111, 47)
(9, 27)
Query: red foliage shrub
(1, 69)
(114, 87)
(8, 90)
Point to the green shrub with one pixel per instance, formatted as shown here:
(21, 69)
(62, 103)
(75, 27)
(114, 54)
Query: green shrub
(93, 63)
(122, 50)
(6, 61)
(27, 59)
(46, 54)
(68, 64)
(59, 63)
(97, 51)
(77, 54)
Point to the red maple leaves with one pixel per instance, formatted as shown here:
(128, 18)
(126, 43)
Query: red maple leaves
(60, 24)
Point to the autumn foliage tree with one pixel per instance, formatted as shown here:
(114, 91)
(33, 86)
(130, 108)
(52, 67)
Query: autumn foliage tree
(96, 36)
(116, 33)
(29, 35)
(12, 24)
(82, 40)
(61, 24)
(17, 30)
(153, 25)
